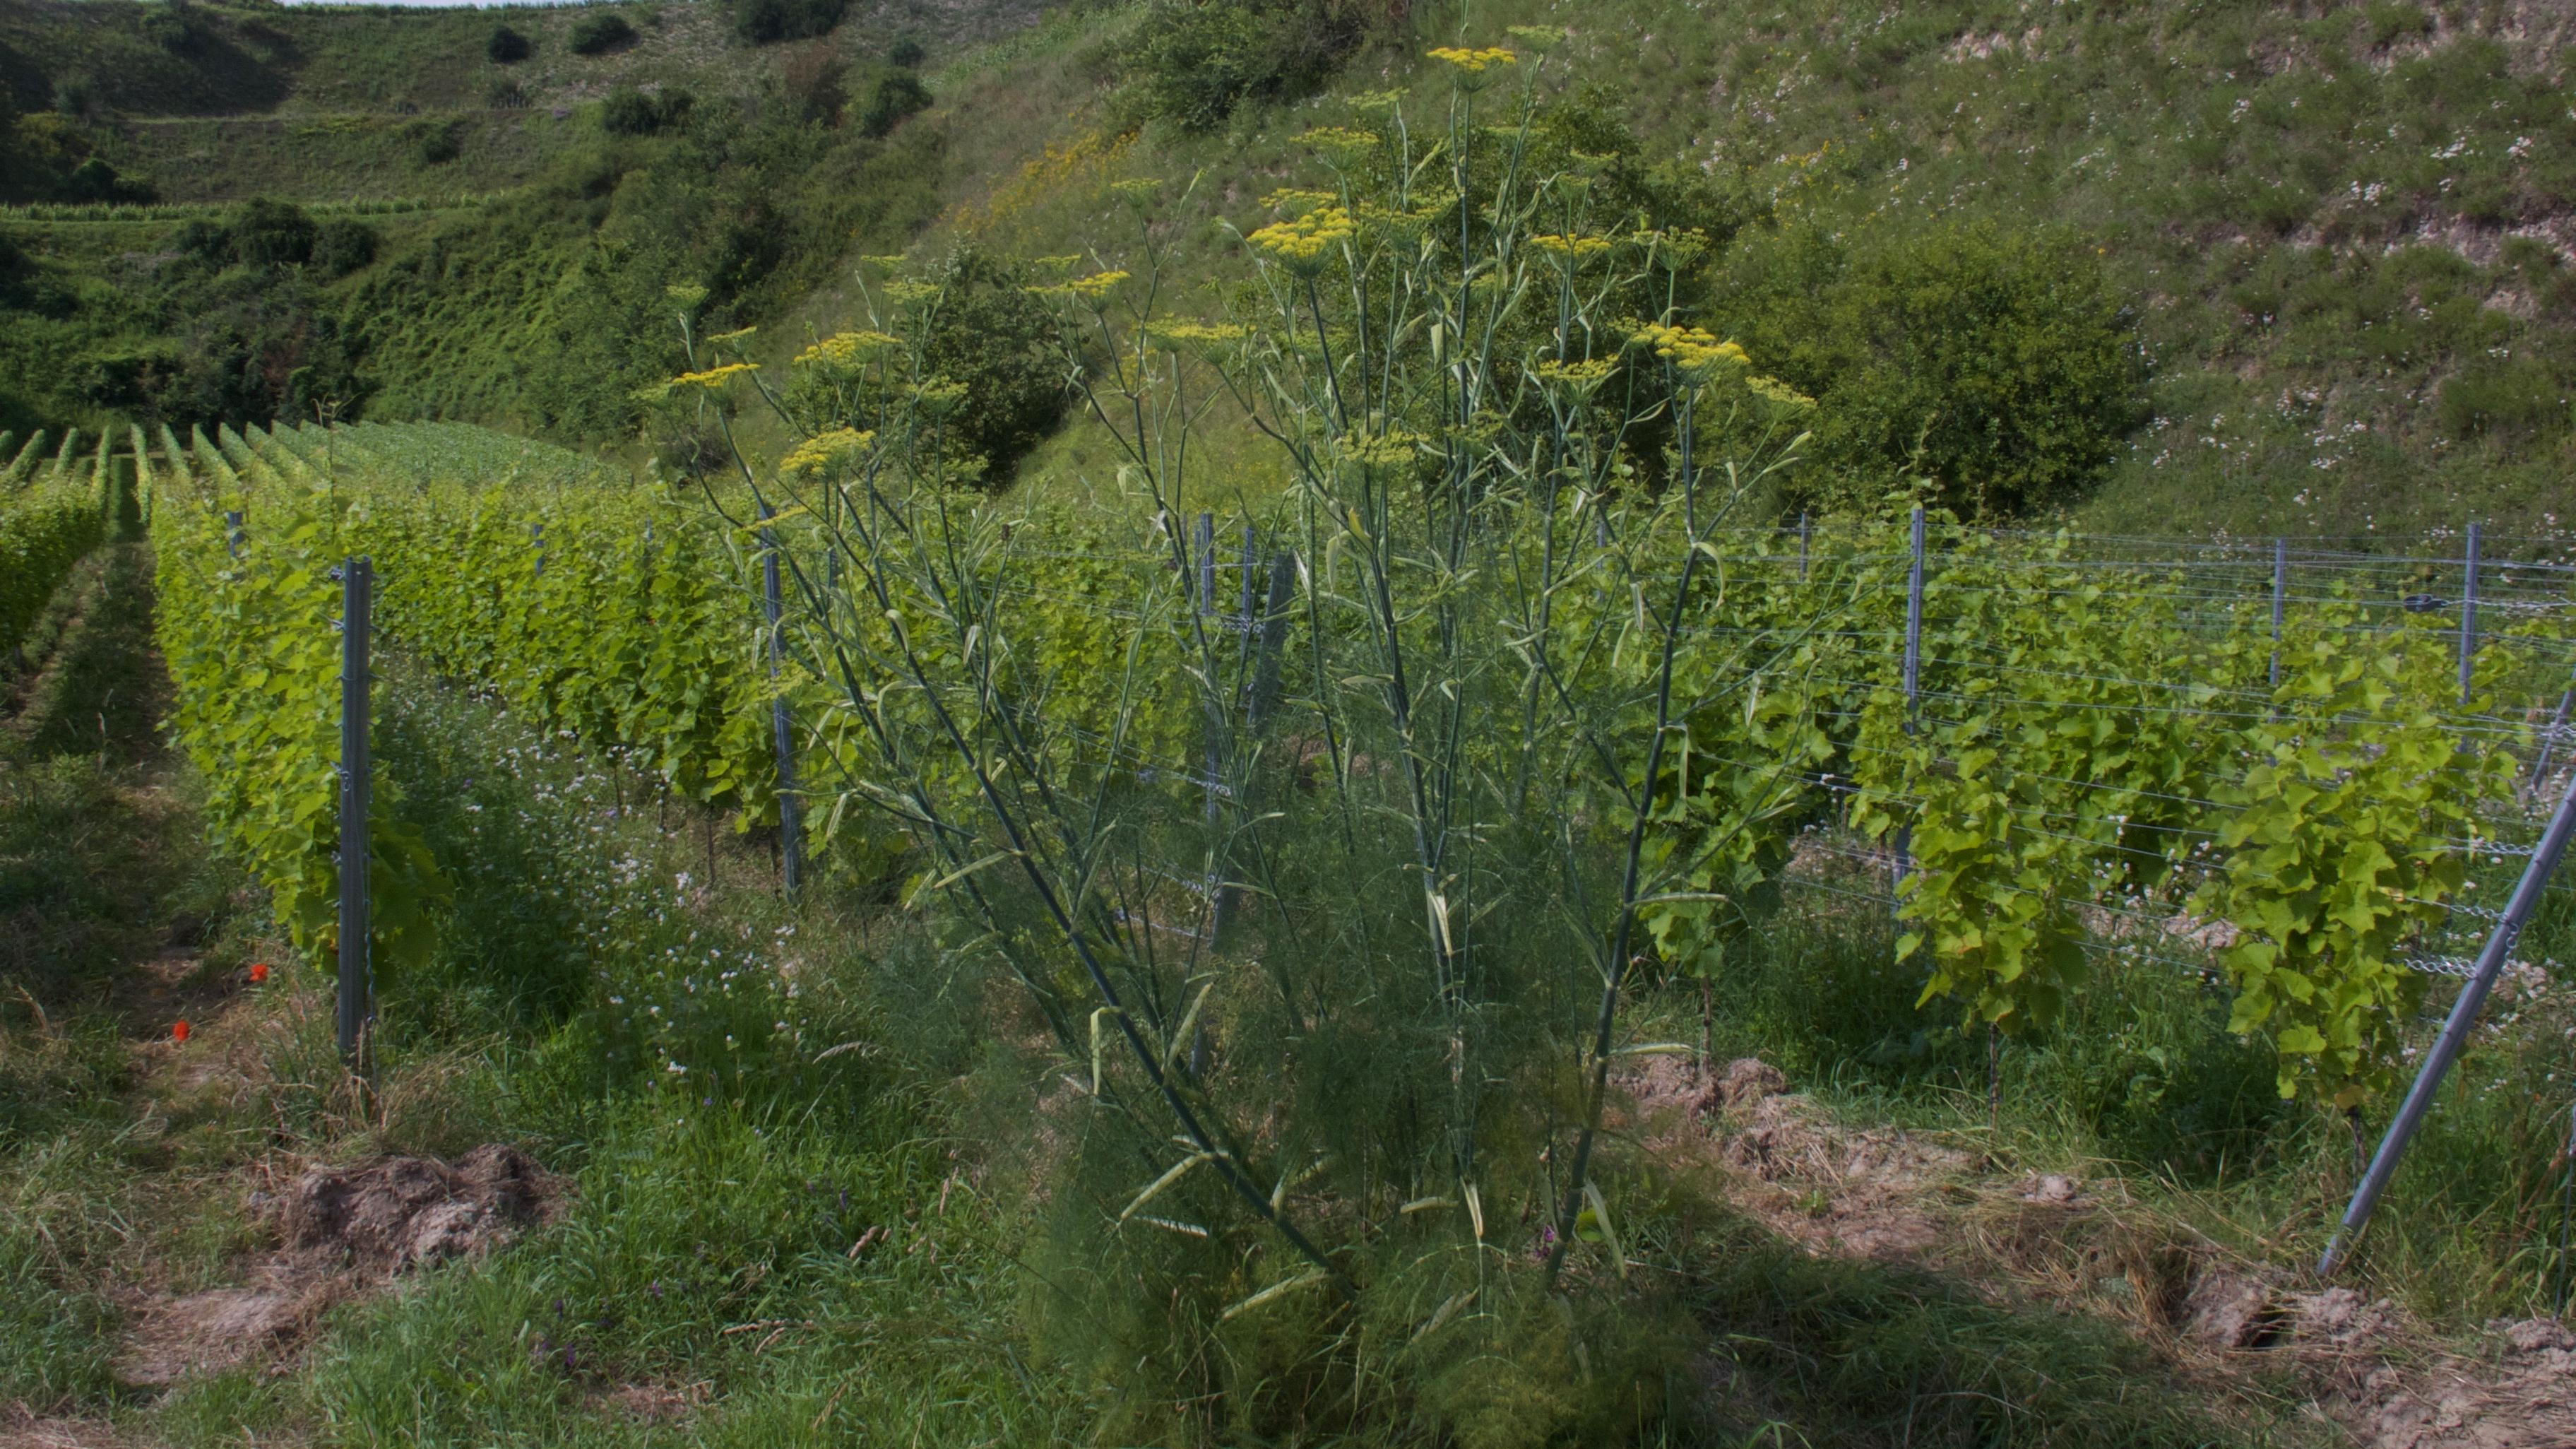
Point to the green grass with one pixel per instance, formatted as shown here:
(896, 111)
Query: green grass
(701, 1287)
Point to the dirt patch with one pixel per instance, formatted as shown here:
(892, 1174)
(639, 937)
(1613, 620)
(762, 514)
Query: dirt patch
(656, 1403)
(1892, 1195)
(340, 1230)
(206, 1333)
(23, 1428)
(1871, 1193)
(399, 1213)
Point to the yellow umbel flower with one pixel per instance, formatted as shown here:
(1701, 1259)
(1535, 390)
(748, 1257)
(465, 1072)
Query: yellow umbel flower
(1581, 377)
(1341, 142)
(1299, 199)
(1096, 286)
(1537, 37)
(739, 334)
(1572, 248)
(1200, 337)
(1677, 247)
(939, 397)
(1474, 62)
(1395, 448)
(904, 293)
(1694, 352)
(821, 450)
(713, 377)
(1088, 289)
(845, 349)
(1303, 241)
(1772, 389)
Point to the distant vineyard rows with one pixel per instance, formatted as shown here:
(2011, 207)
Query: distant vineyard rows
(2106, 753)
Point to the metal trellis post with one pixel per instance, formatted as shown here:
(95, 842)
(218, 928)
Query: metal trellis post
(357, 985)
(782, 724)
(1274, 634)
(1803, 536)
(1913, 675)
(2280, 588)
(2549, 743)
(2455, 1031)
(2469, 620)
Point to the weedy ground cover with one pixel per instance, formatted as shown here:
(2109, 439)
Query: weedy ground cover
(727, 1194)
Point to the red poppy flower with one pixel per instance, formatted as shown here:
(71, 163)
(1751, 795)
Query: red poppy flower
(179, 1031)
(258, 972)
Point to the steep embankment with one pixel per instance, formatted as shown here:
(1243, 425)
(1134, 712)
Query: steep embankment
(2337, 241)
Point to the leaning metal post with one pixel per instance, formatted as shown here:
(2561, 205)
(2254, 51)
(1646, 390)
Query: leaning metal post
(2455, 1031)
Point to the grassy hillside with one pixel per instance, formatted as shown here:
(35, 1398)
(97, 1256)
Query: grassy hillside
(2335, 245)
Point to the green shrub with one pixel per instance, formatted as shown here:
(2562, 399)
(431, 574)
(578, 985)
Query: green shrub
(2004, 367)
(601, 33)
(439, 145)
(507, 46)
(343, 246)
(95, 180)
(817, 83)
(1194, 61)
(991, 335)
(630, 112)
(2393, 20)
(906, 54)
(896, 97)
(763, 21)
(987, 332)
(2514, 397)
(176, 29)
(268, 233)
(76, 95)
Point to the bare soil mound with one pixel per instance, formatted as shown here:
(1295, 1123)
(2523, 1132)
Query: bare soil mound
(1893, 1195)
(340, 1231)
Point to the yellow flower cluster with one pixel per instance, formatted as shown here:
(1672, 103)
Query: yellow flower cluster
(1690, 349)
(1474, 62)
(845, 349)
(1089, 289)
(1774, 390)
(1582, 376)
(1096, 286)
(1197, 336)
(1061, 167)
(1387, 450)
(1677, 246)
(939, 395)
(906, 293)
(713, 377)
(1572, 247)
(818, 452)
(1299, 199)
(725, 339)
(1304, 240)
(1537, 37)
(1344, 141)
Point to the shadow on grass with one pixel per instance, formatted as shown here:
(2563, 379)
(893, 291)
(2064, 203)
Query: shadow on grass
(1843, 1352)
